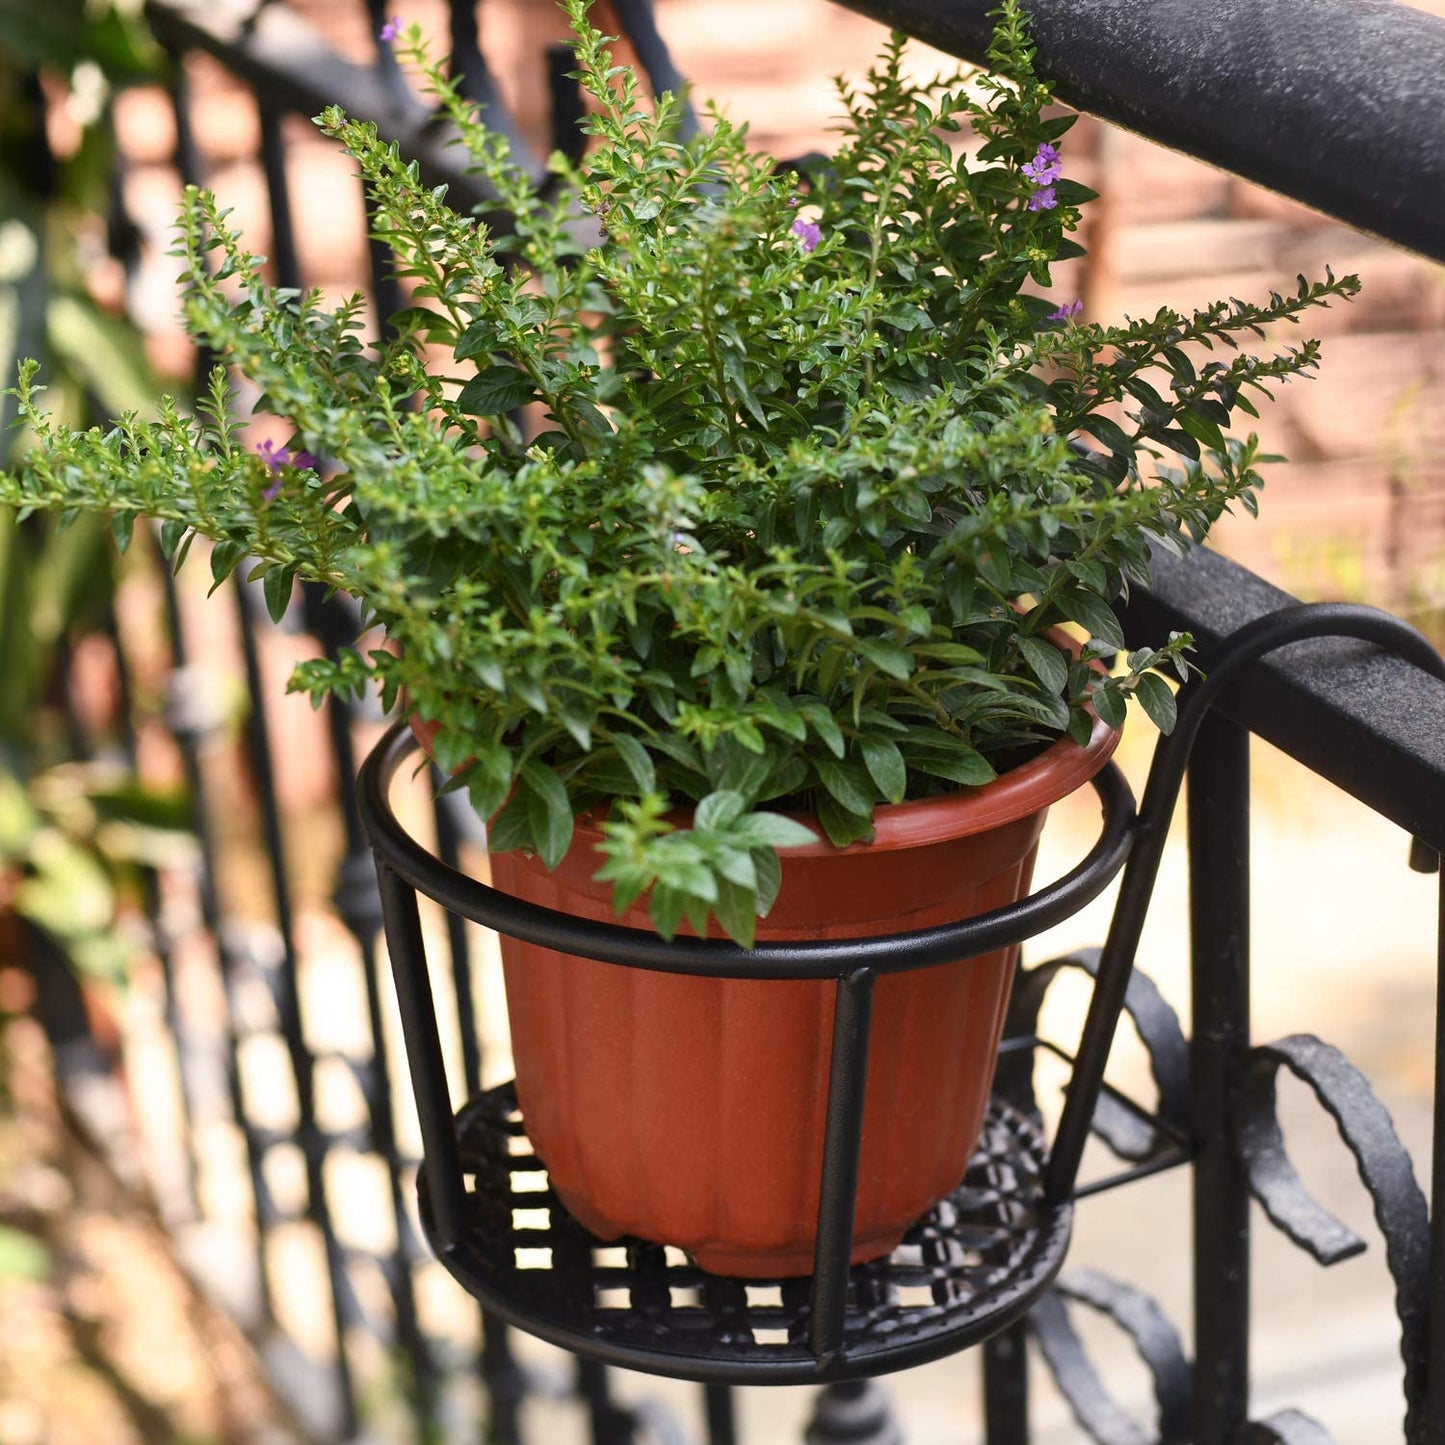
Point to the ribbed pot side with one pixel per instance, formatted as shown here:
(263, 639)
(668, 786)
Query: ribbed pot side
(690, 1111)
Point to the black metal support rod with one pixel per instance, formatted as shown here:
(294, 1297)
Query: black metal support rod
(718, 1407)
(1434, 1410)
(853, 1412)
(441, 1161)
(812, 958)
(1333, 102)
(1006, 1387)
(611, 1424)
(1219, 970)
(161, 941)
(358, 905)
(285, 993)
(187, 728)
(1223, 664)
(842, 1148)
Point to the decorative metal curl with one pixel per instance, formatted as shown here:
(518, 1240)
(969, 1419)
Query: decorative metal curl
(1157, 1026)
(1155, 1339)
(1385, 1170)
(1289, 1427)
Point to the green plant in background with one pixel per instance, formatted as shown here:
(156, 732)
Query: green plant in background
(71, 834)
(53, 213)
(54, 209)
(735, 491)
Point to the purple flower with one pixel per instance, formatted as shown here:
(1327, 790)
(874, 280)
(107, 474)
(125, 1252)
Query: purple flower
(390, 31)
(1045, 166)
(1067, 311)
(277, 457)
(807, 232)
(1043, 199)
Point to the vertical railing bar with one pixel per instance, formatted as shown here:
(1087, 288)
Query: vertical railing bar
(720, 1415)
(474, 79)
(1219, 952)
(160, 936)
(610, 1424)
(386, 290)
(77, 736)
(278, 197)
(191, 168)
(502, 1378)
(287, 1001)
(192, 173)
(323, 621)
(1006, 1387)
(441, 1156)
(639, 23)
(184, 730)
(1434, 1405)
(842, 1148)
(125, 689)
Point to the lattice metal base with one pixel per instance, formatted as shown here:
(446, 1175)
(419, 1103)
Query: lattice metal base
(967, 1270)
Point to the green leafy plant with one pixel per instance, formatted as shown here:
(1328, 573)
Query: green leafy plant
(695, 492)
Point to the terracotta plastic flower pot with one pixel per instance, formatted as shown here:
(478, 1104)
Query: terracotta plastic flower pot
(690, 1110)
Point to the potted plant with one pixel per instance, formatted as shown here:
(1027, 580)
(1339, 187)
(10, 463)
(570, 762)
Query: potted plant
(721, 521)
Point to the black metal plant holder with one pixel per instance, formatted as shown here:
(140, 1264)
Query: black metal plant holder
(966, 1272)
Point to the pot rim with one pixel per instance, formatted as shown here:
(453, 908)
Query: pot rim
(1060, 769)
(1050, 775)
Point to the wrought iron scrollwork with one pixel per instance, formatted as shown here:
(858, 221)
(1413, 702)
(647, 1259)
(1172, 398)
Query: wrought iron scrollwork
(1155, 1339)
(1157, 1026)
(1289, 1427)
(1385, 1170)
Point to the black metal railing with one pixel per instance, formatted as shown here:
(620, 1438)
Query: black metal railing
(1333, 103)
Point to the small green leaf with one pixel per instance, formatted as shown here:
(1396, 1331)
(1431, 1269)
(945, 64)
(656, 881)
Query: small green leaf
(1095, 615)
(736, 866)
(743, 770)
(277, 589)
(847, 783)
(668, 906)
(737, 911)
(885, 765)
(824, 725)
(842, 826)
(477, 340)
(549, 812)
(953, 654)
(895, 661)
(638, 762)
(1046, 663)
(1109, 432)
(719, 809)
(771, 830)
(512, 827)
(1107, 703)
(770, 878)
(224, 557)
(969, 768)
(1202, 428)
(496, 391)
(1156, 697)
